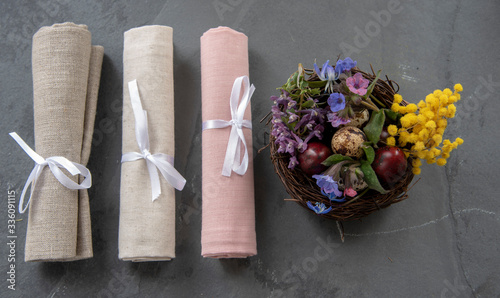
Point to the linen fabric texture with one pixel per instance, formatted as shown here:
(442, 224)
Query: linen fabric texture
(66, 76)
(228, 208)
(147, 228)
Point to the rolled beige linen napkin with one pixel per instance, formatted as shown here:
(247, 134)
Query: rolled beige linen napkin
(66, 75)
(228, 209)
(147, 227)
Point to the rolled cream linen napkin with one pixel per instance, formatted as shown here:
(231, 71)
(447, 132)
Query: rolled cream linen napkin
(147, 228)
(66, 76)
(228, 209)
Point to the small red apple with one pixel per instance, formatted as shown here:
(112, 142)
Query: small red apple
(310, 160)
(389, 165)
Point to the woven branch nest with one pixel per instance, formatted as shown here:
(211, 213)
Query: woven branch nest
(303, 188)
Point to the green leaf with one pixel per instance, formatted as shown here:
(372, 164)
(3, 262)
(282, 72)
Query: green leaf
(315, 91)
(391, 114)
(374, 126)
(292, 81)
(308, 104)
(317, 84)
(290, 125)
(371, 178)
(304, 85)
(372, 85)
(370, 153)
(333, 159)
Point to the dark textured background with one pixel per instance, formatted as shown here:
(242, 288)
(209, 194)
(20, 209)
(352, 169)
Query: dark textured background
(441, 242)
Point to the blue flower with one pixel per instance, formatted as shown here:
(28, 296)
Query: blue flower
(327, 184)
(333, 197)
(318, 207)
(344, 65)
(327, 73)
(336, 101)
(330, 73)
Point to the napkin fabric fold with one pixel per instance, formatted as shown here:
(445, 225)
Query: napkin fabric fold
(147, 228)
(228, 210)
(66, 76)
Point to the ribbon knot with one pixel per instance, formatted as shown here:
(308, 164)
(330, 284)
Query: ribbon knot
(146, 153)
(154, 162)
(236, 123)
(54, 163)
(236, 136)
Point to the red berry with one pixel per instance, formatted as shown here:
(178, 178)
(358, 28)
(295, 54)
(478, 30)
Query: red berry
(310, 160)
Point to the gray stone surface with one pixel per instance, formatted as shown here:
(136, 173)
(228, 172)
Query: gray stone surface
(441, 242)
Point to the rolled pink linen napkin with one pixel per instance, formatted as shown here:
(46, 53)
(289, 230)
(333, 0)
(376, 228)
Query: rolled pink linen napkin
(228, 210)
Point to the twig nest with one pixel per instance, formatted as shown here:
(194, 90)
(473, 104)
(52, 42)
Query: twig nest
(348, 141)
(359, 119)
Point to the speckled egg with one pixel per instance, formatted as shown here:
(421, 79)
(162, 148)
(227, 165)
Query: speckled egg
(359, 119)
(348, 140)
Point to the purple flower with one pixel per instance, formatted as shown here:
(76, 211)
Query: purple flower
(274, 98)
(317, 132)
(336, 120)
(315, 113)
(281, 100)
(327, 184)
(293, 162)
(333, 197)
(290, 147)
(305, 119)
(293, 118)
(284, 136)
(276, 111)
(357, 84)
(279, 129)
(277, 121)
(336, 101)
(344, 65)
(301, 144)
(318, 207)
(282, 148)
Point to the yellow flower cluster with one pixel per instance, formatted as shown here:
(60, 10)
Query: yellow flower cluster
(423, 126)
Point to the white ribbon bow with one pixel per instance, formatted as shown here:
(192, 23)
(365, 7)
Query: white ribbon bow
(54, 163)
(163, 162)
(232, 158)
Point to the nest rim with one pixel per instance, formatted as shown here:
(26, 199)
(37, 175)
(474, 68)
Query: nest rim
(303, 188)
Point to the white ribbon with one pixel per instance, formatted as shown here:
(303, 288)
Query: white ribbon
(54, 163)
(163, 162)
(232, 158)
